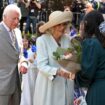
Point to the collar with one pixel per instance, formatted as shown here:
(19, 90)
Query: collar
(7, 28)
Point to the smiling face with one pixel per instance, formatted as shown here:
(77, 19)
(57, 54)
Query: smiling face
(59, 30)
(11, 19)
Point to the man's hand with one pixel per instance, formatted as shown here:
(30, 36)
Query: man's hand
(23, 70)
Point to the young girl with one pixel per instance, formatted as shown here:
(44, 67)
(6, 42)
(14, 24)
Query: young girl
(29, 78)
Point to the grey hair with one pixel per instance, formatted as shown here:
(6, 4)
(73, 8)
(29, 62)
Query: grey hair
(11, 7)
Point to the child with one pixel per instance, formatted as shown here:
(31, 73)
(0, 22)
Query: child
(79, 96)
(28, 79)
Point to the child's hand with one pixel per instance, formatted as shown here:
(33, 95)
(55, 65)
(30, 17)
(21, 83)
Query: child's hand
(35, 56)
(77, 101)
(31, 60)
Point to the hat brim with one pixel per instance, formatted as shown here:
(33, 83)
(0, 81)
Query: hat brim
(62, 18)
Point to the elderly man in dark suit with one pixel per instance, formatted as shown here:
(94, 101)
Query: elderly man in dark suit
(9, 57)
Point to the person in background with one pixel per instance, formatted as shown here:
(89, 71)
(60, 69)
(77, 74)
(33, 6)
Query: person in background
(28, 79)
(67, 8)
(77, 8)
(37, 28)
(102, 7)
(24, 11)
(88, 8)
(79, 96)
(33, 7)
(52, 84)
(92, 72)
(9, 57)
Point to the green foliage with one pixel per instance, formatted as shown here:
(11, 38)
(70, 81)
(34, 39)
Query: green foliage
(60, 51)
(56, 55)
(75, 50)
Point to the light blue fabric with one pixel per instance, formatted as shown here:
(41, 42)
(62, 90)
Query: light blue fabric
(50, 90)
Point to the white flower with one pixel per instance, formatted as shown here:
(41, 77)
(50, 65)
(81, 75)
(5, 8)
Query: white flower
(68, 56)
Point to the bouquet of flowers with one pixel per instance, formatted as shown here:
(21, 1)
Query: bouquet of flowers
(69, 58)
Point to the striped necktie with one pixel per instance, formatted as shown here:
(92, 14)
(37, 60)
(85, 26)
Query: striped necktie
(14, 40)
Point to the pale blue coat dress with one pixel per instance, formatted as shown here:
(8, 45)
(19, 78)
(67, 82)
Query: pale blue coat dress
(50, 90)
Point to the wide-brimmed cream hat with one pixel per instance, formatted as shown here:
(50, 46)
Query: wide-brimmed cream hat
(55, 18)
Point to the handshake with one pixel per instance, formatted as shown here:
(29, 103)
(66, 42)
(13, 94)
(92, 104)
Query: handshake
(66, 74)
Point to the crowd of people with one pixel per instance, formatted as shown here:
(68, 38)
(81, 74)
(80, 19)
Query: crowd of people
(31, 74)
(34, 11)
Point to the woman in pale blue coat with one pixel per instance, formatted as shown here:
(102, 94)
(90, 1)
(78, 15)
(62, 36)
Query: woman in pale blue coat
(53, 86)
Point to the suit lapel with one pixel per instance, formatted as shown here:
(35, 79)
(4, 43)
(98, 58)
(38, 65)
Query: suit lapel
(5, 35)
(16, 43)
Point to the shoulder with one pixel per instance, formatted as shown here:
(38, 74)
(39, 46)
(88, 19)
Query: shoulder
(44, 37)
(0, 24)
(2, 28)
(66, 37)
(92, 43)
